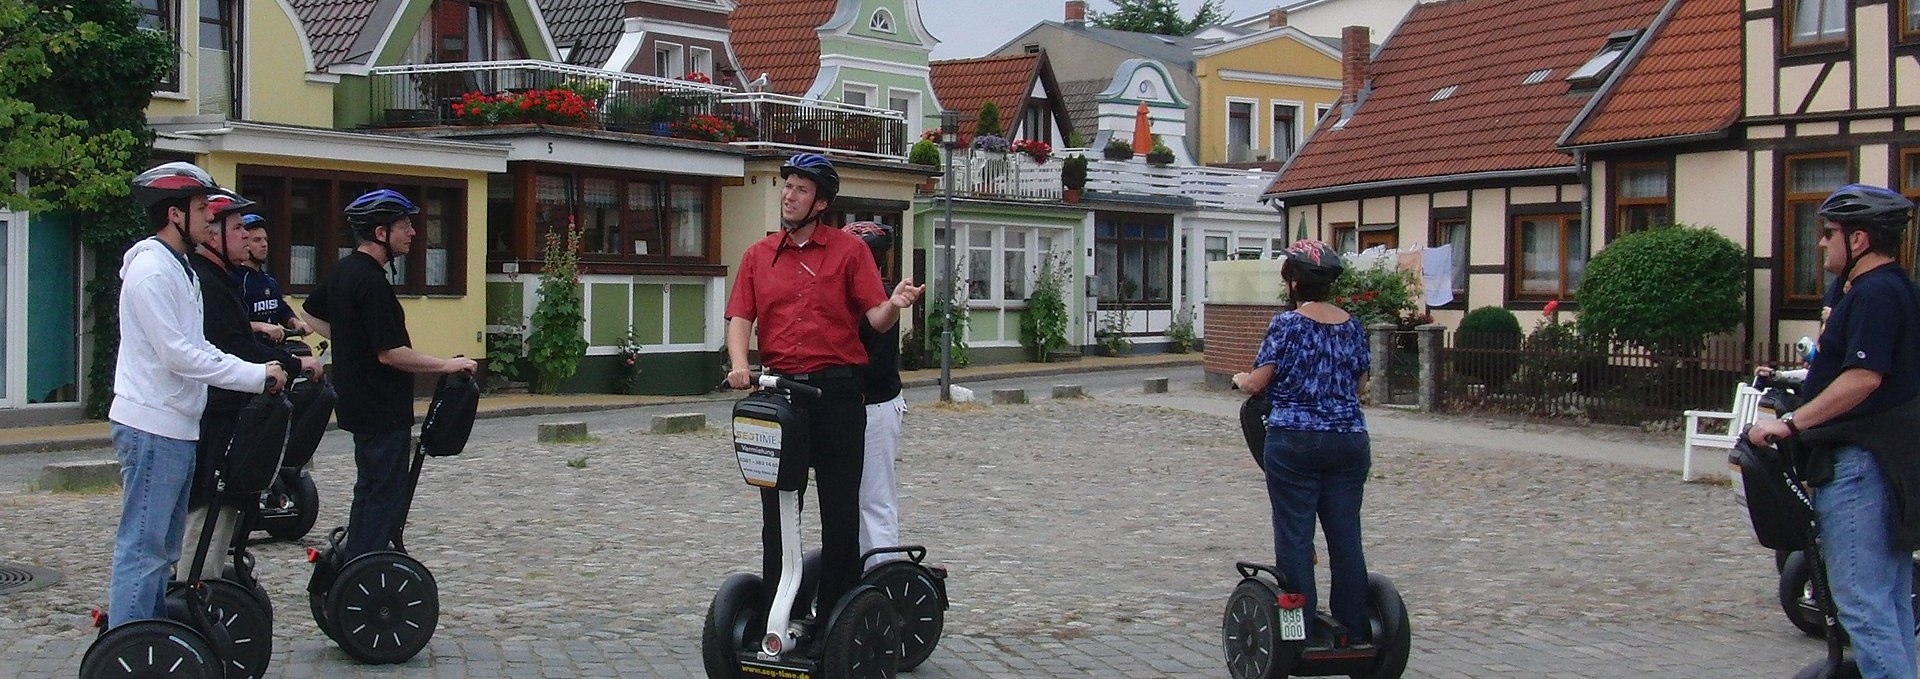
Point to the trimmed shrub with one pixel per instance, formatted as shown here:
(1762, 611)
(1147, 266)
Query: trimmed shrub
(1487, 335)
(1664, 289)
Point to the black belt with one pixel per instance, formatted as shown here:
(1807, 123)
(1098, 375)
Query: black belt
(833, 372)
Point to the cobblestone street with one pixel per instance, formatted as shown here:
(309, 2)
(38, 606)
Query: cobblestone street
(1086, 537)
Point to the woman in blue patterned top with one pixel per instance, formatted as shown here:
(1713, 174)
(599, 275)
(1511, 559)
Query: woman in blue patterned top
(1317, 453)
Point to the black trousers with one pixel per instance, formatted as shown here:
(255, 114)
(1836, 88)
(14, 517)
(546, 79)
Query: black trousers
(216, 431)
(381, 490)
(837, 429)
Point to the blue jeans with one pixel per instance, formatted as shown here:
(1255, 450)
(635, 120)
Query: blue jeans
(156, 473)
(1872, 580)
(1323, 473)
(380, 493)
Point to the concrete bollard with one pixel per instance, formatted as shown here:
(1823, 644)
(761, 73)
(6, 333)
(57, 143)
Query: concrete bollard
(1154, 385)
(563, 432)
(80, 475)
(1005, 397)
(679, 423)
(1069, 391)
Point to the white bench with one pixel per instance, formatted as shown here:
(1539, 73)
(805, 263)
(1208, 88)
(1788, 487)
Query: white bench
(1746, 407)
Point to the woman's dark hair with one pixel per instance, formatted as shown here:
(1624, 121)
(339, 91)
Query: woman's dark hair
(1300, 291)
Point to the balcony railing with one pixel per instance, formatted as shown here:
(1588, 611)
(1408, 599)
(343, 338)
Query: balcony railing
(1013, 176)
(508, 92)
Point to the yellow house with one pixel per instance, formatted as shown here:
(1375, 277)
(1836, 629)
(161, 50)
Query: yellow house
(1261, 93)
(268, 96)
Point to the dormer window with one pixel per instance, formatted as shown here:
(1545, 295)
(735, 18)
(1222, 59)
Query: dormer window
(1597, 68)
(882, 21)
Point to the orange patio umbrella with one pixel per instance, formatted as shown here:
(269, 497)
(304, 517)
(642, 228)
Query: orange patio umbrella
(1142, 132)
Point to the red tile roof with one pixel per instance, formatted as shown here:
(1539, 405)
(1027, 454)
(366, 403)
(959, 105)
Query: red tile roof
(1688, 81)
(332, 26)
(1492, 122)
(778, 38)
(963, 85)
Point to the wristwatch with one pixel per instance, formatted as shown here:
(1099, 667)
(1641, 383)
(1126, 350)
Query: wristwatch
(1787, 419)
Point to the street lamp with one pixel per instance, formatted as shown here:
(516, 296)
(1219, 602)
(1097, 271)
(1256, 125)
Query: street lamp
(949, 139)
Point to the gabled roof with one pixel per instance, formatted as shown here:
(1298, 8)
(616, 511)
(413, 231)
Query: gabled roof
(1172, 50)
(332, 26)
(964, 85)
(1687, 82)
(780, 38)
(1403, 129)
(593, 27)
(1082, 99)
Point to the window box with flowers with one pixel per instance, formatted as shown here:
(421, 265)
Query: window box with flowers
(552, 107)
(626, 372)
(991, 143)
(704, 127)
(1038, 150)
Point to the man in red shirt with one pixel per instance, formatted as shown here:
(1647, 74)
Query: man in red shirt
(802, 292)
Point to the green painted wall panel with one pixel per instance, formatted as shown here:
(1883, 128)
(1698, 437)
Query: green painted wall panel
(676, 374)
(52, 313)
(688, 306)
(983, 325)
(504, 304)
(649, 310)
(607, 317)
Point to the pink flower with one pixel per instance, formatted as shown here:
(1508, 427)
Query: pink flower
(1551, 307)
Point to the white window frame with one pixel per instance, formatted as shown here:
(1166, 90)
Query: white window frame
(1320, 112)
(15, 324)
(869, 90)
(996, 252)
(1299, 111)
(676, 54)
(882, 21)
(700, 60)
(1253, 130)
(913, 114)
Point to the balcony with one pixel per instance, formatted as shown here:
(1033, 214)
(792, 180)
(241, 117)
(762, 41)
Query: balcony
(1015, 177)
(487, 93)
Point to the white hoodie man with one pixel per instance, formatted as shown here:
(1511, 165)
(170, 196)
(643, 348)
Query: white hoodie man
(160, 386)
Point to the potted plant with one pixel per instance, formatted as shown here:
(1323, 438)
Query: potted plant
(704, 127)
(991, 143)
(926, 154)
(1117, 149)
(1073, 177)
(1112, 335)
(1035, 149)
(989, 123)
(1160, 155)
(1180, 337)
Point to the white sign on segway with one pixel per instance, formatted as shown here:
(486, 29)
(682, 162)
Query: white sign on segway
(757, 445)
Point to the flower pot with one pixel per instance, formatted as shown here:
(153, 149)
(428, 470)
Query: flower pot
(1070, 196)
(663, 129)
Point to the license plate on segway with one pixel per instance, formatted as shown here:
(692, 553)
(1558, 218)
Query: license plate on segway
(757, 443)
(1293, 617)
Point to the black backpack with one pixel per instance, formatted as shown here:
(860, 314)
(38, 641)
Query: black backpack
(259, 436)
(449, 421)
(1777, 503)
(313, 402)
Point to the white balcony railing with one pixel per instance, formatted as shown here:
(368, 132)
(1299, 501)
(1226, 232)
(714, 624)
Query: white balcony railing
(1013, 176)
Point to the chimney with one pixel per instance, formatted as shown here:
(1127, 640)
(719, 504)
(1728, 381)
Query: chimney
(1076, 12)
(1356, 62)
(1276, 18)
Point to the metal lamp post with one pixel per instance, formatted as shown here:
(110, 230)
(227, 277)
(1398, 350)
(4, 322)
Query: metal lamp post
(950, 139)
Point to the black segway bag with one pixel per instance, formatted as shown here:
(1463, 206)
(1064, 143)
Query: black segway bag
(770, 441)
(259, 436)
(1779, 507)
(449, 421)
(1253, 426)
(313, 402)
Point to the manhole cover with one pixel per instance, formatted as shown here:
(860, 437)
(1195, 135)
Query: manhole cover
(16, 578)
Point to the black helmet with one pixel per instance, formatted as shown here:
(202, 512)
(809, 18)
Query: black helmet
(377, 208)
(877, 236)
(1311, 262)
(171, 181)
(225, 202)
(1859, 205)
(817, 168)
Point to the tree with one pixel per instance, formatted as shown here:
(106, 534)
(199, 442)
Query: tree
(989, 123)
(75, 80)
(1160, 17)
(1664, 289)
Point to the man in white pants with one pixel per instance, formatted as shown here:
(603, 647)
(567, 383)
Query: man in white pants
(879, 504)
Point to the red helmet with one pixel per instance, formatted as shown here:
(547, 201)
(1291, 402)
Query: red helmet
(225, 202)
(877, 236)
(170, 181)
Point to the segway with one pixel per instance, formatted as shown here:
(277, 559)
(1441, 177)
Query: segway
(744, 636)
(917, 590)
(382, 607)
(1781, 511)
(213, 628)
(1802, 605)
(1263, 633)
(290, 507)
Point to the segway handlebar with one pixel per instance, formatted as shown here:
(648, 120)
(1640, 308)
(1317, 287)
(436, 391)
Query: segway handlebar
(767, 381)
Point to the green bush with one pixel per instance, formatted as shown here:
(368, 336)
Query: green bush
(924, 153)
(1379, 295)
(1073, 172)
(1043, 324)
(556, 345)
(1664, 289)
(989, 120)
(1486, 334)
(1117, 149)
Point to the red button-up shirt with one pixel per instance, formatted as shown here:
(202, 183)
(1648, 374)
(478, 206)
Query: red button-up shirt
(808, 301)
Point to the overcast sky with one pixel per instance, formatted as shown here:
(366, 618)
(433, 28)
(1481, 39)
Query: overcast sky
(971, 28)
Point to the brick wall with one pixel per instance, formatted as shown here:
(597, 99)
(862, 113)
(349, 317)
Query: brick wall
(1234, 332)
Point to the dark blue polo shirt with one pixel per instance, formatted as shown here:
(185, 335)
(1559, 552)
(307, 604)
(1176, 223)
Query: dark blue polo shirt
(262, 296)
(1875, 326)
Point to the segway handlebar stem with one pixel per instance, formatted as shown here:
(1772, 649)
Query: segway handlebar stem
(780, 637)
(769, 381)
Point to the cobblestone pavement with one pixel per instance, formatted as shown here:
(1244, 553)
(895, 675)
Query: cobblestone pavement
(1085, 538)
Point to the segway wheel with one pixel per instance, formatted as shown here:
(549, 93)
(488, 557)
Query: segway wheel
(918, 601)
(383, 608)
(1392, 633)
(1796, 596)
(150, 648)
(734, 623)
(1250, 633)
(249, 627)
(864, 642)
(306, 501)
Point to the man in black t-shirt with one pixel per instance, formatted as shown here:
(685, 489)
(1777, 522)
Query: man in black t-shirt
(372, 364)
(1864, 382)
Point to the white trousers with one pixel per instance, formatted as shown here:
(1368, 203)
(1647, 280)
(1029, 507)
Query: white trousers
(879, 503)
